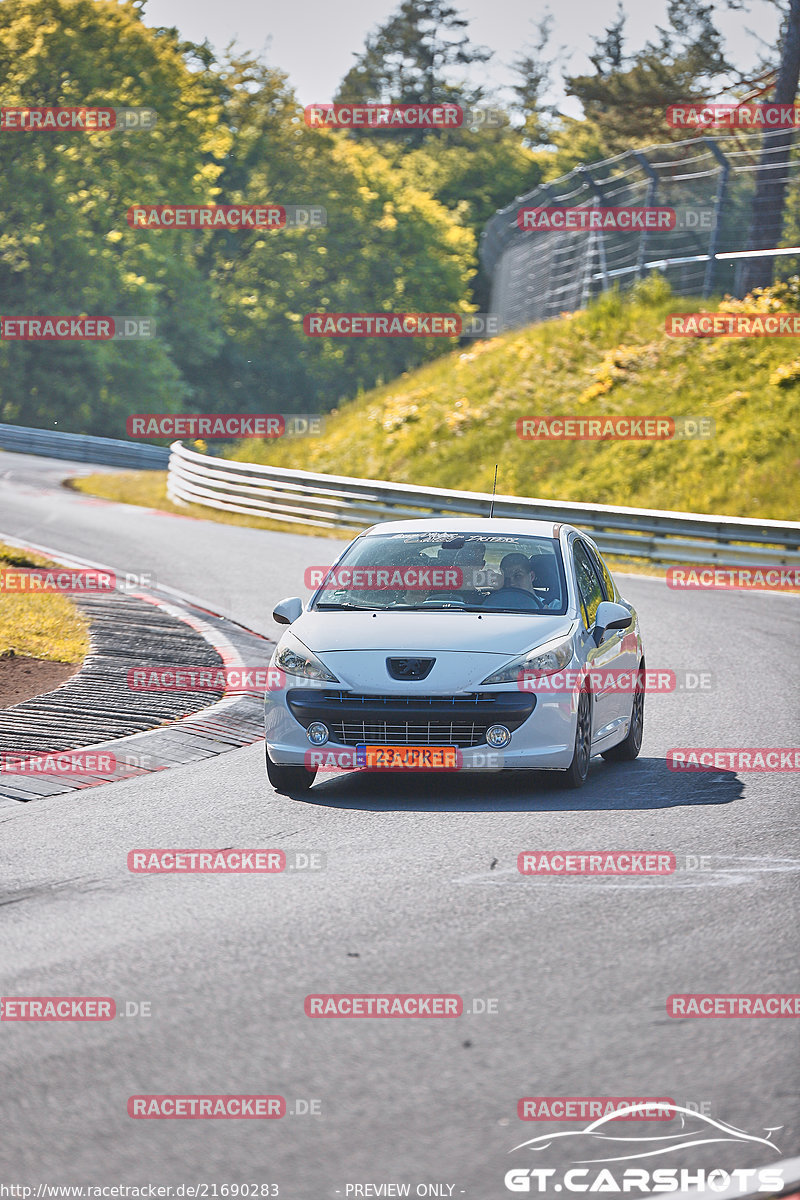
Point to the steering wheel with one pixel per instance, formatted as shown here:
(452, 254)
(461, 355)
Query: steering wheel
(503, 591)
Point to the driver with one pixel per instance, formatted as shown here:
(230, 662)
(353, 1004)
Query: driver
(517, 572)
(517, 588)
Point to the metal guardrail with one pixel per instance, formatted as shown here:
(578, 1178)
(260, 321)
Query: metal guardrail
(111, 452)
(333, 501)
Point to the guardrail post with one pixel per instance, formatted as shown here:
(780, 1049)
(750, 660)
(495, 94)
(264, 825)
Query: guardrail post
(719, 200)
(650, 199)
(595, 237)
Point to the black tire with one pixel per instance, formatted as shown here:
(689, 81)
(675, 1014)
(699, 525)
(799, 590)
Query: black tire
(628, 750)
(289, 780)
(578, 770)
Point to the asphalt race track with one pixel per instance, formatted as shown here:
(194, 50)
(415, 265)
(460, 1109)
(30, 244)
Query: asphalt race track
(420, 893)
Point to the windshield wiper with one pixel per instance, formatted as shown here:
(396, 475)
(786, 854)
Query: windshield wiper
(354, 607)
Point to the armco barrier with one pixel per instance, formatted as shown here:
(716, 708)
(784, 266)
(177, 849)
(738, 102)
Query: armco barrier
(111, 452)
(336, 501)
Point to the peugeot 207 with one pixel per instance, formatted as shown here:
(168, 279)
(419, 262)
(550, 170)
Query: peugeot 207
(440, 643)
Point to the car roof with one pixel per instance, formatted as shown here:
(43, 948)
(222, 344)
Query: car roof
(497, 525)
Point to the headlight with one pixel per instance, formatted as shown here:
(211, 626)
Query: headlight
(539, 662)
(296, 659)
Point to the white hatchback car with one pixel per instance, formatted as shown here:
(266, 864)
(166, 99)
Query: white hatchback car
(444, 643)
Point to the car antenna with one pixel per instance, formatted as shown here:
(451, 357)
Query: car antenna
(494, 489)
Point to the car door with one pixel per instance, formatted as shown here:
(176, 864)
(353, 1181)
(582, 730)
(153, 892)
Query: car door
(628, 640)
(610, 706)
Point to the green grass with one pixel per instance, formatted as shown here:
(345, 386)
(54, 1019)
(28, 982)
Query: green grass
(448, 423)
(46, 625)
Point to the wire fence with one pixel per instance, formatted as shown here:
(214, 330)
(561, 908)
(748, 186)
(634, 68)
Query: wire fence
(537, 273)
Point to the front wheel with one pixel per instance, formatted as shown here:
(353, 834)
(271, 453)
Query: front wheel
(289, 780)
(576, 773)
(628, 749)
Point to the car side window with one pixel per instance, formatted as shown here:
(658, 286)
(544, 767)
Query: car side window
(609, 591)
(589, 587)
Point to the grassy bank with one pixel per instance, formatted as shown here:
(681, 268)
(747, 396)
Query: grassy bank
(447, 424)
(45, 626)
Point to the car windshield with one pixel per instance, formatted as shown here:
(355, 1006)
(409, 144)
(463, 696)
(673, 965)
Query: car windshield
(473, 572)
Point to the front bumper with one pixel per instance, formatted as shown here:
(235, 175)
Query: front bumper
(542, 727)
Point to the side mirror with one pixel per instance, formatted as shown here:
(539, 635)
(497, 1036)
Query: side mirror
(610, 616)
(288, 610)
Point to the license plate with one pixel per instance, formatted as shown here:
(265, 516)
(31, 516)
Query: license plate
(408, 758)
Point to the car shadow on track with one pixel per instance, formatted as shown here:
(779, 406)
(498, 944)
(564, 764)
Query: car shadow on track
(645, 783)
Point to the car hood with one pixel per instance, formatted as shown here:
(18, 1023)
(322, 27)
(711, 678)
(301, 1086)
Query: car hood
(503, 634)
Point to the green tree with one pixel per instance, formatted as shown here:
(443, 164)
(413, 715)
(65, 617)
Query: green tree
(388, 246)
(65, 246)
(415, 58)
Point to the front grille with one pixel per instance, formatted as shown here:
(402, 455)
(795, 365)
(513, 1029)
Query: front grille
(459, 720)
